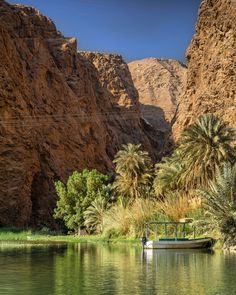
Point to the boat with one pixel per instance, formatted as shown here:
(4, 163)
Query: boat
(176, 242)
(201, 243)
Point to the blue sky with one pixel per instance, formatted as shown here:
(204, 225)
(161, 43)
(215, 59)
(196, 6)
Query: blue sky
(134, 28)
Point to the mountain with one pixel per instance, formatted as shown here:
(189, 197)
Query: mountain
(160, 83)
(61, 110)
(211, 77)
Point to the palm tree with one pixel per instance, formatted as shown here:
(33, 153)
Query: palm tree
(134, 171)
(168, 175)
(204, 147)
(94, 214)
(220, 202)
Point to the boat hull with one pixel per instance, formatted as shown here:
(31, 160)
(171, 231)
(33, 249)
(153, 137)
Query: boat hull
(175, 244)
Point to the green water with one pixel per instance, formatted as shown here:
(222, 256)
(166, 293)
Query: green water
(103, 269)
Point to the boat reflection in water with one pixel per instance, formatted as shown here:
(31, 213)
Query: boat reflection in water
(173, 268)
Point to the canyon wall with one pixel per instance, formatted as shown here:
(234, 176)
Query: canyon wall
(60, 111)
(211, 78)
(160, 83)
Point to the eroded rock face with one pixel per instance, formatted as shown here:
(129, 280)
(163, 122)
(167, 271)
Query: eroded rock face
(211, 81)
(160, 84)
(60, 111)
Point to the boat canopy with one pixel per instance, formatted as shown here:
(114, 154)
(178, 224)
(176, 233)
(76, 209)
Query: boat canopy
(176, 225)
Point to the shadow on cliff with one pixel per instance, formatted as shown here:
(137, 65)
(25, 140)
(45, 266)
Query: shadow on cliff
(155, 116)
(123, 113)
(123, 122)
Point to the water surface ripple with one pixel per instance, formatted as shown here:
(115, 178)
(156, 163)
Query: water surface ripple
(108, 269)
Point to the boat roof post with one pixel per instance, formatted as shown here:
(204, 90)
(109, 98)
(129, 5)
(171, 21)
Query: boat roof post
(176, 230)
(194, 231)
(166, 229)
(147, 231)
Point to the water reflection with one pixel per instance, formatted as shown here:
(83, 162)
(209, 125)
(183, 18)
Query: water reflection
(63, 269)
(177, 271)
(150, 256)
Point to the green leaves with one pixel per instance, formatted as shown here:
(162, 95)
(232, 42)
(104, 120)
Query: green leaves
(204, 147)
(77, 195)
(134, 171)
(199, 161)
(168, 175)
(220, 201)
(94, 214)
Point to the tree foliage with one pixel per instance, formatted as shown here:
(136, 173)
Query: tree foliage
(77, 194)
(94, 215)
(205, 159)
(168, 175)
(134, 171)
(204, 147)
(220, 202)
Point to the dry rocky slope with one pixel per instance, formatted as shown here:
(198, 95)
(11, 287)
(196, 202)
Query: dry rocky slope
(160, 83)
(211, 79)
(60, 111)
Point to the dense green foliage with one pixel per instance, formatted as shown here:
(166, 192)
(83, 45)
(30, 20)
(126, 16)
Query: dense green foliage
(200, 168)
(94, 215)
(169, 175)
(77, 195)
(204, 147)
(134, 172)
(220, 202)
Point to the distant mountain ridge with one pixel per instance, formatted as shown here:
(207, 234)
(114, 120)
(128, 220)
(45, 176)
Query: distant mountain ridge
(160, 83)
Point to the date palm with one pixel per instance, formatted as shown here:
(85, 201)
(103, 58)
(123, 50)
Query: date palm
(204, 147)
(134, 171)
(168, 175)
(94, 214)
(220, 202)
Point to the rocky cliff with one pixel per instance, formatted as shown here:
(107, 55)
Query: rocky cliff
(211, 79)
(160, 84)
(60, 110)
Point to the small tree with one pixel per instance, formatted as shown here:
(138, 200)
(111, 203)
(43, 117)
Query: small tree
(77, 195)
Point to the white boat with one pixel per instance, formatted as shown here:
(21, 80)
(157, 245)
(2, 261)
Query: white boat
(200, 243)
(176, 242)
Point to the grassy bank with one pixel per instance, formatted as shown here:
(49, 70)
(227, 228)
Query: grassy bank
(37, 237)
(16, 235)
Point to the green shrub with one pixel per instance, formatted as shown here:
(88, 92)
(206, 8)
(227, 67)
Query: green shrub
(76, 196)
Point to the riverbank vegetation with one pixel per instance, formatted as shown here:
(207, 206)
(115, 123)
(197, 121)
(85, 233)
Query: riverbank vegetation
(197, 181)
(29, 236)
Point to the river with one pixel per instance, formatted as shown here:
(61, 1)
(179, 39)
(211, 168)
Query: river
(68, 269)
